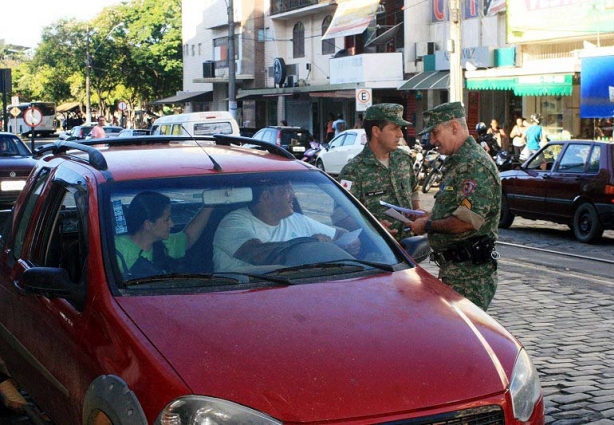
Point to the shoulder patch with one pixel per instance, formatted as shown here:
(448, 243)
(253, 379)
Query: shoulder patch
(347, 185)
(468, 186)
(466, 203)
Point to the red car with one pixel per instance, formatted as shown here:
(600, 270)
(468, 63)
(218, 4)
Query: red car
(349, 330)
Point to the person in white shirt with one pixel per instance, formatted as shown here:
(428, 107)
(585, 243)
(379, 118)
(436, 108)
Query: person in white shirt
(258, 234)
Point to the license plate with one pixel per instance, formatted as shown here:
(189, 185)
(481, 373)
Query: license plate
(12, 185)
(298, 149)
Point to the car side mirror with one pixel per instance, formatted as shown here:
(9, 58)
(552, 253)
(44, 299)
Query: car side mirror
(417, 247)
(52, 282)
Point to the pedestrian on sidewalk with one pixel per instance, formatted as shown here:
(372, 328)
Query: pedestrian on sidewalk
(462, 227)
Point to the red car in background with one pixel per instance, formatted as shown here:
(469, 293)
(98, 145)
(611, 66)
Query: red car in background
(326, 337)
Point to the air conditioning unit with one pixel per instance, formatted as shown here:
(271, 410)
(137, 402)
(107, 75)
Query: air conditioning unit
(291, 81)
(424, 48)
(209, 69)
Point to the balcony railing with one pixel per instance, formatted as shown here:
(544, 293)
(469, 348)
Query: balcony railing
(282, 6)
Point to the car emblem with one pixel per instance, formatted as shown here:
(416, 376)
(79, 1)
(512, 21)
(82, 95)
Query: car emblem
(12, 174)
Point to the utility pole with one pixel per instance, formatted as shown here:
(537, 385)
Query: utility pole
(88, 68)
(232, 83)
(454, 48)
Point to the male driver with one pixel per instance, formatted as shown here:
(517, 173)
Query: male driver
(462, 228)
(261, 233)
(382, 171)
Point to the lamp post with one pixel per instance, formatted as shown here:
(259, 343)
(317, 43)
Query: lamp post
(88, 71)
(232, 83)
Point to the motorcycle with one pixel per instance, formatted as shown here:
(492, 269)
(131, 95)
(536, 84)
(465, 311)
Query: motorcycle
(436, 166)
(311, 154)
(506, 161)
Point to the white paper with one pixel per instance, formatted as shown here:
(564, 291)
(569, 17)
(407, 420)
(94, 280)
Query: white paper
(397, 215)
(348, 238)
(401, 209)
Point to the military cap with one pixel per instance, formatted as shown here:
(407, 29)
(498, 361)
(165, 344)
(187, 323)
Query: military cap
(391, 112)
(440, 114)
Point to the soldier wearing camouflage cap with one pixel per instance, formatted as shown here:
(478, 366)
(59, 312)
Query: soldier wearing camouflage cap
(462, 228)
(382, 171)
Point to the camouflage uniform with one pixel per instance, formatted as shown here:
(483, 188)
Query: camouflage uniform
(470, 180)
(371, 182)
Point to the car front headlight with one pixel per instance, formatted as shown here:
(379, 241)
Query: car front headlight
(200, 410)
(524, 387)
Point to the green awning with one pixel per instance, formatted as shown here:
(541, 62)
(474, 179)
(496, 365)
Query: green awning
(491, 84)
(544, 85)
(428, 80)
(526, 85)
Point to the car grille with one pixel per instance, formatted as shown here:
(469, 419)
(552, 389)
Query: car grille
(488, 415)
(23, 174)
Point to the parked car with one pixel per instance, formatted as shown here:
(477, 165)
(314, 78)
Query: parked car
(317, 335)
(295, 140)
(132, 132)
(82, 132)
(16, 162)
(569, 182)
(248, 131)
(345, 146)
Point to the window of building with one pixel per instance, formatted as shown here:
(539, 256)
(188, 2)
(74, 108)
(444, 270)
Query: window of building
(193, 50)
(328, 46)
(298, 40)
(200, 49)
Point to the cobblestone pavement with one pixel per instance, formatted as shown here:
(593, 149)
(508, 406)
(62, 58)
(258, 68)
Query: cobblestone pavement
(566, 325)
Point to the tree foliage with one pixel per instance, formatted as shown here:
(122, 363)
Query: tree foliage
(134, 54)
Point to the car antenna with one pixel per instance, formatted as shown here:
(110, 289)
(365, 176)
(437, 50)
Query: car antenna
(216, 166)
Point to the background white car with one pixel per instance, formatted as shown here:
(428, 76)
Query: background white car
(340, 150)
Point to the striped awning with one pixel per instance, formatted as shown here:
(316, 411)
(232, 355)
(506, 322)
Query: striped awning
(428, 80)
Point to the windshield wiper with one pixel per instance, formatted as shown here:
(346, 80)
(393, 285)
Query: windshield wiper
(341, 263)
(220, 278)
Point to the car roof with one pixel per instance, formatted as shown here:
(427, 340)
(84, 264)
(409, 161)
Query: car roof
(154, 157)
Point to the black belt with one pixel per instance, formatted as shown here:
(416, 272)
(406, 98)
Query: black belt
(478, 250)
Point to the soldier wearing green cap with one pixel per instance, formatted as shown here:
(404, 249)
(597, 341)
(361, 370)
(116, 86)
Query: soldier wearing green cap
(382, 171)
(462, 228)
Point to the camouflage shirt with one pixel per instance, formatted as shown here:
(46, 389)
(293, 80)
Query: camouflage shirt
(470, 180)
(370, 181)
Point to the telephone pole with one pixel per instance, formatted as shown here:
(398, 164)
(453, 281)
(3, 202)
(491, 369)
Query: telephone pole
(232, 83)
(455, 50)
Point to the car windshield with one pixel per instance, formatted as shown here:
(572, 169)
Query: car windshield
(12, 146)
(156, 240)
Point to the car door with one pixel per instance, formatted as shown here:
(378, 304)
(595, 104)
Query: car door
(334, 154)
(526, 191)
(571, 177)
(45, 332)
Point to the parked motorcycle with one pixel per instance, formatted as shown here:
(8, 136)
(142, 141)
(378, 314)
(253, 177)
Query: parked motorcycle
(506, 161)
(311, 154)
(436, 166)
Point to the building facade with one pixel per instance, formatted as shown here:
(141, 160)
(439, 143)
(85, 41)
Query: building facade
(300, 60)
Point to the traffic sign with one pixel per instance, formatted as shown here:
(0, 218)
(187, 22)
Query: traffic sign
(33, 116)
(122, 106)
(15, 111)
(364, 99)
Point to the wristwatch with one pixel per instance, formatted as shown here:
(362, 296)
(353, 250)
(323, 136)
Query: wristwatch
(428, 227)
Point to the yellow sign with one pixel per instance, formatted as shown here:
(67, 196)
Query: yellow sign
(15, 112)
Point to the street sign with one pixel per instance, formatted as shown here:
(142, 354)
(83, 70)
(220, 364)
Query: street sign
(122, 106)
(364, 99)
(15, 111)
(33, 116)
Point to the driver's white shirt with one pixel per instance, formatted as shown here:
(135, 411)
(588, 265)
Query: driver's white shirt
(240, 226)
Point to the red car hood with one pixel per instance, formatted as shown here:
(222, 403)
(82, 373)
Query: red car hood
(327, 351)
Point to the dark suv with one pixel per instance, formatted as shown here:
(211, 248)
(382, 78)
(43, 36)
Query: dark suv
(569, 182)
(296, 140)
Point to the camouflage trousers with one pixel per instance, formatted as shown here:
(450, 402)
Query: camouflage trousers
(477, 283)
